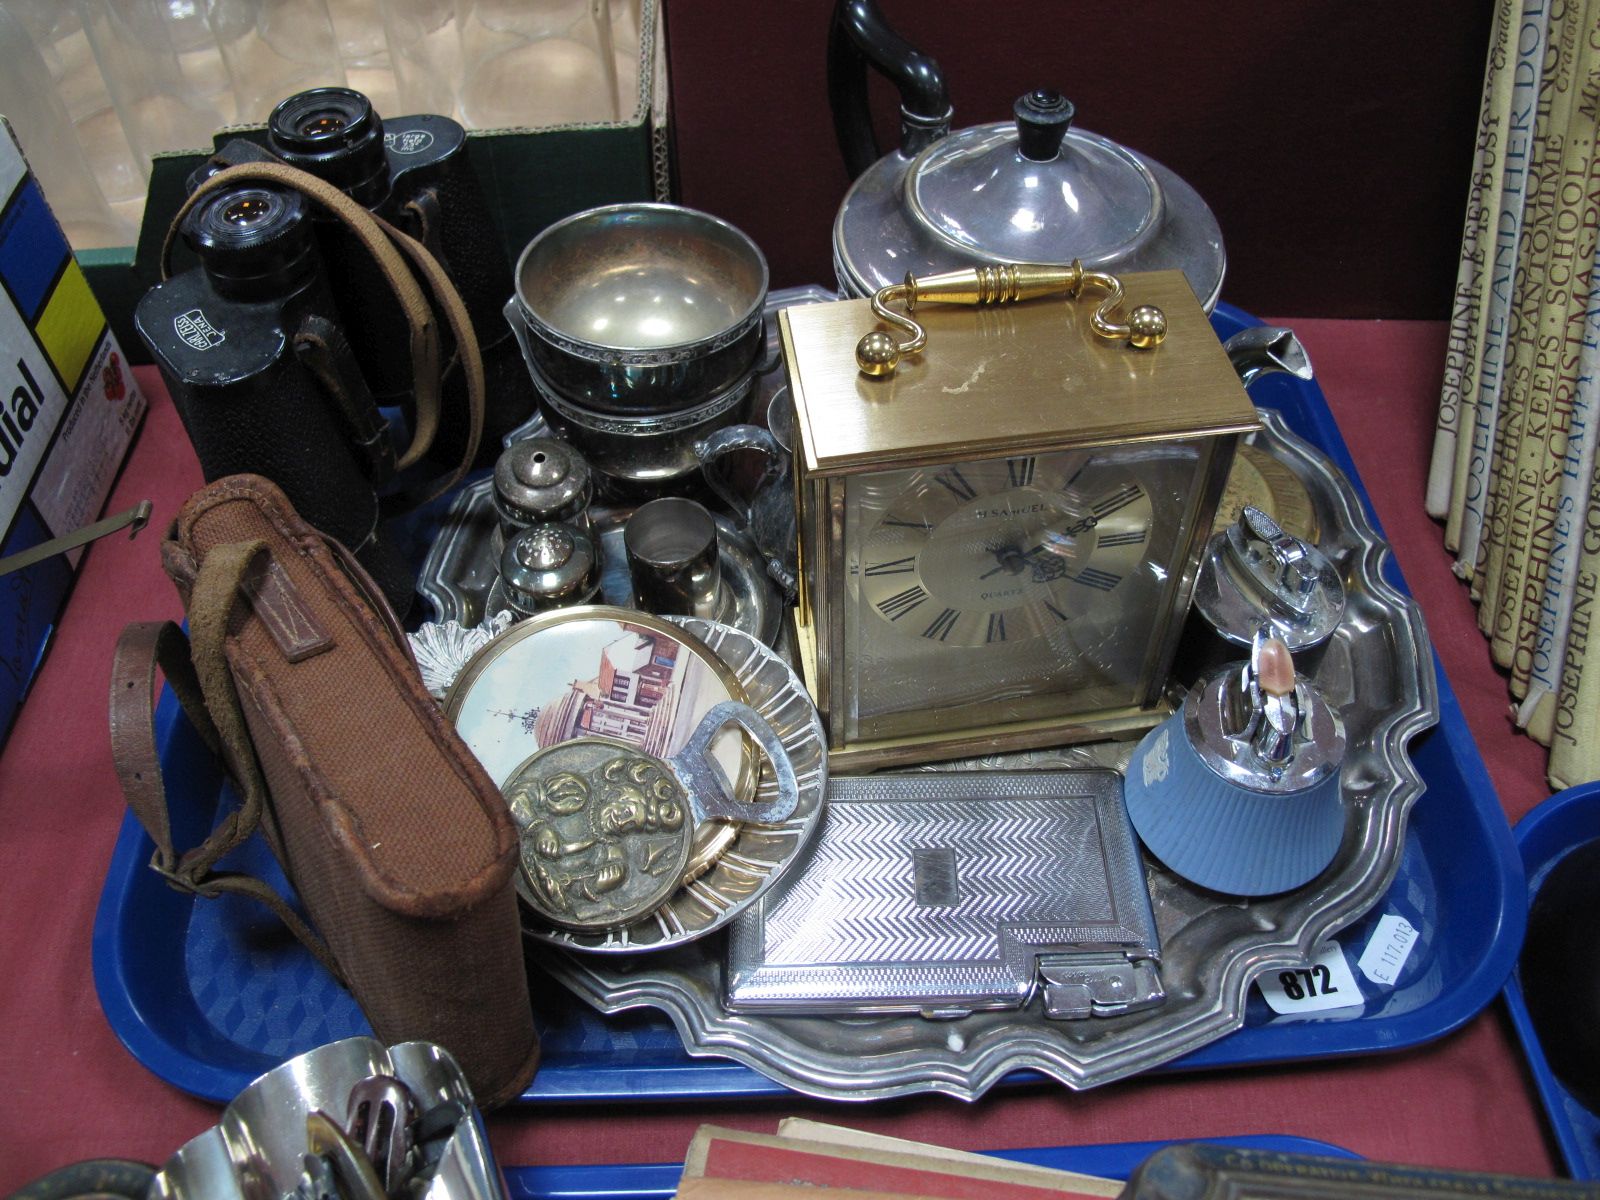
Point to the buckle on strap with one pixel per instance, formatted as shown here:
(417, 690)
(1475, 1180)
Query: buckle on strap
(181, 880)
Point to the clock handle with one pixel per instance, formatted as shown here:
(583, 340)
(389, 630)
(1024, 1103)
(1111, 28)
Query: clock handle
(878, 354)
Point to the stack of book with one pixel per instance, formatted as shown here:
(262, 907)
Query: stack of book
(805, 1160)
(1513, 473)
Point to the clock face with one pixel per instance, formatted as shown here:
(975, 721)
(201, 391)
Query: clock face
(1008, 558)
(1023, 585)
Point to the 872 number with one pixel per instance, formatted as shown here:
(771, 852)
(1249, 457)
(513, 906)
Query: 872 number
(1307, 982)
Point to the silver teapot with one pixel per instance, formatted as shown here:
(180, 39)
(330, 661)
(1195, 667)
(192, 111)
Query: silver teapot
(1032, 190)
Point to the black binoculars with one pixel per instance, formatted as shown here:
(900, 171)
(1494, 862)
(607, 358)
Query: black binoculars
(285, 346)
(263, 376)
(413, 172)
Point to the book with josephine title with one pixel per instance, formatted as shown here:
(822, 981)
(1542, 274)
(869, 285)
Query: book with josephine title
(1475, 436)
(1537, 711)
(1564, 237)
(1477, 237)
(1503, 530)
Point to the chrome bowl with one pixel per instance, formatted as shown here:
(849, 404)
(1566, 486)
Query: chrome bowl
(640, 308)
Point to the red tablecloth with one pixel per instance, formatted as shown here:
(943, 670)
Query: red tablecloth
(68, 1089)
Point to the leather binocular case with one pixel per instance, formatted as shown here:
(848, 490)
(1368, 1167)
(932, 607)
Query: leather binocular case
(400, 847)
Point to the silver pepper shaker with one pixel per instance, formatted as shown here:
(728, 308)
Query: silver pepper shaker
(548, 566)
(539, 481)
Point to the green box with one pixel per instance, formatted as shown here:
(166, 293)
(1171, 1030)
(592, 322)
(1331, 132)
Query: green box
(531, 177)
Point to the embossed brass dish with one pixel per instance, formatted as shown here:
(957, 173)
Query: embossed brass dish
(607, 830)
(605, 833)
(758, 853)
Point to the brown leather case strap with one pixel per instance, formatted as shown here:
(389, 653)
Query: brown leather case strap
(217, 585)
(322, 349)
(142, 646)
(381, 239)
(205, 690)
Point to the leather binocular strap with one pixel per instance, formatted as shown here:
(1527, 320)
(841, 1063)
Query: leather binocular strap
(467, 351)
(198, 674)
(381, 240)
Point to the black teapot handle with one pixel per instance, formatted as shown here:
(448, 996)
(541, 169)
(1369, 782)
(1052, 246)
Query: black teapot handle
(859, 37)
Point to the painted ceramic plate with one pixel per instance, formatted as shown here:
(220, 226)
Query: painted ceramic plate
(598, 671)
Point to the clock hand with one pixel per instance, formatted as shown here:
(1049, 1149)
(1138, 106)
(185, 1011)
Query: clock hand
(1015, 560)
(1011, 560)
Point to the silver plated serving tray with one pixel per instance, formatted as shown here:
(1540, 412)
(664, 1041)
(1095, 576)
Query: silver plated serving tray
(460, 579)
(1212, 947)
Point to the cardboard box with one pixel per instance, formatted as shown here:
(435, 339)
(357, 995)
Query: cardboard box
(532, 177)
(68, 410)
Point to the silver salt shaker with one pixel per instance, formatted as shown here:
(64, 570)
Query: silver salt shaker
(549, 565)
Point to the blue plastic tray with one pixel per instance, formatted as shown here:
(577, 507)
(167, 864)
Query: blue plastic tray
(654, 1181)
(1564, 822)
(210, 995)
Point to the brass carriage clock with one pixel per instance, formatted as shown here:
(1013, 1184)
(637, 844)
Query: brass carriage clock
(999, 528)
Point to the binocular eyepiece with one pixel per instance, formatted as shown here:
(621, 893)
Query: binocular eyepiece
(252, 240)
(334, 134)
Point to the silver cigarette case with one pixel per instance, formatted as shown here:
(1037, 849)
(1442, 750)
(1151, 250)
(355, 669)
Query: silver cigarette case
(946, 892)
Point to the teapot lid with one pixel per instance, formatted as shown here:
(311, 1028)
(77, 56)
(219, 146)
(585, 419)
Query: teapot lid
(1034, 191)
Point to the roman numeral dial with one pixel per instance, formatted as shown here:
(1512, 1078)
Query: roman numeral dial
(997, 554)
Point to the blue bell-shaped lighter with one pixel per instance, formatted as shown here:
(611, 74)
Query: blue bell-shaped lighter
(1239, 790)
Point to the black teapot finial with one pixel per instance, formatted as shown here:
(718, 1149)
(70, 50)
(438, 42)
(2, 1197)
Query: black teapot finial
(1043, 118)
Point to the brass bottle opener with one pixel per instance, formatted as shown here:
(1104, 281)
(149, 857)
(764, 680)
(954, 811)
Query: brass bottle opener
(878, 354)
